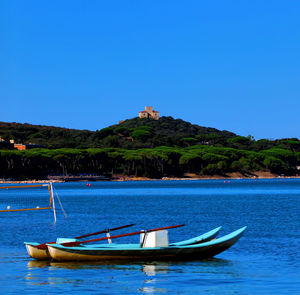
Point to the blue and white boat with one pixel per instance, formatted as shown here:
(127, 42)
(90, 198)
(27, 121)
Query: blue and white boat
(144, 251)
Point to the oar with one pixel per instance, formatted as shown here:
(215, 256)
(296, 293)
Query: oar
(73, 244)
(43, 246)
(104, 231)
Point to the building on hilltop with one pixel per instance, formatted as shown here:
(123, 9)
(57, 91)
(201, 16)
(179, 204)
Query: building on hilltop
(149, 113)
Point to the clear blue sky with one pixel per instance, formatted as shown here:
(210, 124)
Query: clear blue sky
(231, 65)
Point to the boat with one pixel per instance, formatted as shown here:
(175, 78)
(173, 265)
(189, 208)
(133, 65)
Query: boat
(35, 252)
(39, 251)
(81, 252)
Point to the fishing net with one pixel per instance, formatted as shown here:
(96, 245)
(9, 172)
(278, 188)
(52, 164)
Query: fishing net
(25, 197)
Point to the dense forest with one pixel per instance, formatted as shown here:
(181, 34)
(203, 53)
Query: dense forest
(143, 147)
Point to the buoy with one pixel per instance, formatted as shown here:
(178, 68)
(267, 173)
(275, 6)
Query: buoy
(8, 207)
(37, 207)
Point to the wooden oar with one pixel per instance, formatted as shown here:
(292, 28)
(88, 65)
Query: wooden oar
(104, 231)
(73, 244)
(44, 246)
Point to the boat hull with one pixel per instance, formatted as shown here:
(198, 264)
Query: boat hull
(36, 253)
(43, 254)
(190, 252)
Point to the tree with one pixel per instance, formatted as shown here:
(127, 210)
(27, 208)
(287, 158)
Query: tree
(274, 164)
(188, 141)
(239, 142)
(141, 134)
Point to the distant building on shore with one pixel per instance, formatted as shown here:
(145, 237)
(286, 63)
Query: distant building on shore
(10, 145)
(149, 113)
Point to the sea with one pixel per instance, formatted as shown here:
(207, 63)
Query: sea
(266, 260)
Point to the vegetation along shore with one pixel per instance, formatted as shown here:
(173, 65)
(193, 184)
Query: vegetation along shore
(143, 149)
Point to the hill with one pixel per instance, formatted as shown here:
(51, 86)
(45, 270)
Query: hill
(132, 133)
(48, 136)
(143, 148)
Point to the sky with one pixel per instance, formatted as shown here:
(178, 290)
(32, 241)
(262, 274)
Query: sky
(230, 65)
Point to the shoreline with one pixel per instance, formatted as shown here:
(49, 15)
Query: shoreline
(119, 178)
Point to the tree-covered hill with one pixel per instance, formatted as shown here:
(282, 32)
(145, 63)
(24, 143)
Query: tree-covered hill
(48, 136)
(132, 133)
(143, 147)
(149, 133)
(139, 133)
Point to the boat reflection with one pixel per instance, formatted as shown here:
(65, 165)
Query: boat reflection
(151, 277)
(37, 264)
(154, 269)
(148, 268)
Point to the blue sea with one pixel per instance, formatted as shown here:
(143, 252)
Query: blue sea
(266, 260)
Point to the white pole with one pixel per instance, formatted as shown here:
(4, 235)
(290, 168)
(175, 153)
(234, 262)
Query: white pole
(109, 240)
(52, 195)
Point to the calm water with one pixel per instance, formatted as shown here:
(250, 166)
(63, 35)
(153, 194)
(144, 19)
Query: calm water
(266, 260)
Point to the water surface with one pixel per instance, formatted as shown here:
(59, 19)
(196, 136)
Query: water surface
(265, 260)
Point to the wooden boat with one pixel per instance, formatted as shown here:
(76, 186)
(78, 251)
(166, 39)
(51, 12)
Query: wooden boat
(39, 251)
(35, 252)
(62, 252)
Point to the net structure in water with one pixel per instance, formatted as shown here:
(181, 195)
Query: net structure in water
(25, 197)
